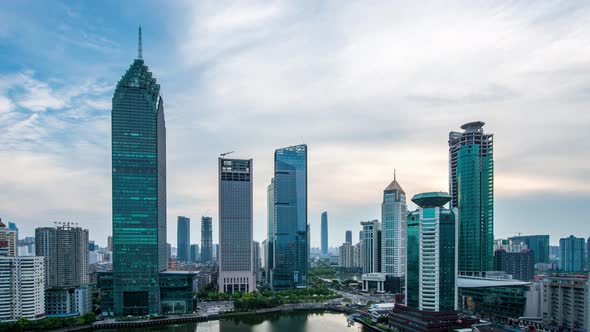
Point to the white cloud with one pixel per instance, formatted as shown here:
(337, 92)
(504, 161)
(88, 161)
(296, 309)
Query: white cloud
(6, 105)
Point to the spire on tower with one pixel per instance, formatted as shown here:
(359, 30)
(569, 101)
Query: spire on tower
(139, 50)
(394, 174)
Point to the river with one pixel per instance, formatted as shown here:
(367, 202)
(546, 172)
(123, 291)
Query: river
(279, 322)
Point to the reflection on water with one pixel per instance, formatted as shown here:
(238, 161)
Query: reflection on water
(279, 322)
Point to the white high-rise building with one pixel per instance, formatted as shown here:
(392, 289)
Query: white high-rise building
(393, 231)
(8, 239)
(346, 258)
(566, 302)
(22, 288)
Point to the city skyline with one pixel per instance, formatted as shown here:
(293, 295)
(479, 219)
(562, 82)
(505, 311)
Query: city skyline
(57, 119)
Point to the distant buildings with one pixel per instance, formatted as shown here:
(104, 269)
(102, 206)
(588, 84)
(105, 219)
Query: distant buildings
(291, 239)
(566, 302)
(65, 250)
(183, 239)
(572, 254)
(431, 270)
(537, 243)
(194, 253)
(206, 239)
(509, 245)
(257, 261)
(471, 184)
(270, 214)
(371, 246)
(22, 290)
(393, 232)
(8, 241)
(520, 265)
(346, 256)
(348, 238)
(324, 243)
(236, 270)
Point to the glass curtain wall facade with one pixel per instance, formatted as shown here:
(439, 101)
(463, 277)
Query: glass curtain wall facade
(393, 230)
(324, 234)
(348, 238)
(537, 243)
(206, 239)
(572, 254)
(471, 185)
(236, 271)
(139, 192)
(270, 206)
(291, 248)
(183, 239)
(431, 273)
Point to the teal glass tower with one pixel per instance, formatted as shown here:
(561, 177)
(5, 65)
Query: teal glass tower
(471, 185)
(183, 239)
(291, 248)
(325, 234)
(431, 272)
(139, 191)
(270, 206)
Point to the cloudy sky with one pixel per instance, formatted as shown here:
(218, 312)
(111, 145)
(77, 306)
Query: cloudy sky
(369, 86)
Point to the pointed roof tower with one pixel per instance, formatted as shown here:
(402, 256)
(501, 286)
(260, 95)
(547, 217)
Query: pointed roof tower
(394, 185)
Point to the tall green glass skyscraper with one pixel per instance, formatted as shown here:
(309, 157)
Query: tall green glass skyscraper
(471, 185)
(139, 191)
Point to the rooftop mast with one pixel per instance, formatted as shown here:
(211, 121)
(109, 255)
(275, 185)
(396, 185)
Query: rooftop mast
(139, 50)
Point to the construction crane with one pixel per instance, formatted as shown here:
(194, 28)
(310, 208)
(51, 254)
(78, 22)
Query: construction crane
(225, 154)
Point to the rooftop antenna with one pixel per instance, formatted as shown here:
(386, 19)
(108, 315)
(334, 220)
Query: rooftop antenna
(394, 174)
(139, 50)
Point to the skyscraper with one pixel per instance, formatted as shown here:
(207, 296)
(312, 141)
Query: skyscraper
(65, 252)
(8, 241)
(324, 234)
(371, 246)
(291, 248)
(183, 239)
(139, 191)
(572, 256)
(194, 253)
(270, 206)
(236, 270)
(206, 239)
(348, 238)
(537, 243)
(471, 185)
(431, 270)
(393, 230)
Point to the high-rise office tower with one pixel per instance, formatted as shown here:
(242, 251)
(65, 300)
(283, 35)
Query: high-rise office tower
(8, 241)
(183, 239)
(194, 253)
(22, 293)
(572, 256)
(139, 191)
(206, 239)
(346, 258)
(393, 230)
(520, 265)
(257, 261)
(270, 207)
(236, 270)
(431, 270)
(324, 234)
(537, 243)
(65, 250)
(291, 249)
(348, 238)
(371, 246)
(471, 185)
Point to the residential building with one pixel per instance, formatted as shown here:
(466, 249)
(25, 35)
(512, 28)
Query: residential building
(138, 191)
(509, 245)
(371, 246)
(393, 230)
(68, 301)
(65, 250)
(270, 213)
(183, 239)
(110, 243)
(566, 302)
(357, 256)
(471, 185)
(22, 290)
(195, 253)
(8, 241)
(537, 243)
(520, 265)
(324, 234)
(431, 270)
(348, 238)
(206, 239)
(572, 254)
(236, 268)
(346, 255)
(291, 237)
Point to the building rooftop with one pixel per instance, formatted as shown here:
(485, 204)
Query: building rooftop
(473, 126)
(431, 199)
(474, 282)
